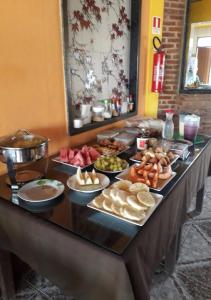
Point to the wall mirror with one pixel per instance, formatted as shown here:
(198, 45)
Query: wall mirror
(196, 61)
(101, 46)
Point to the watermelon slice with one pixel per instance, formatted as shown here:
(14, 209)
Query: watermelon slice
(64, 155)
(78, 160)
(71, 155)
(94, 154)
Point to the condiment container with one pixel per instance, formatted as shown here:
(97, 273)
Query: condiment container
(85, 113)
(142, 139)
(77, 123)
(98, 111)
(181, 123)
(108, 111)
(124, 107)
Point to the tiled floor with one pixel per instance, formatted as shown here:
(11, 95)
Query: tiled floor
(190, 281)
(192, 277)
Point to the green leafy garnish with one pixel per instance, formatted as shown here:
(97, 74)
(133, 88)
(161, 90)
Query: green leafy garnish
(41, 182)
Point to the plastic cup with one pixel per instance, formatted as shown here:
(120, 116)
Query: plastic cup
(181, 124)
(191, 126)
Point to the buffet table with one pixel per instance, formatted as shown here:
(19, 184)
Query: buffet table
(91, 255)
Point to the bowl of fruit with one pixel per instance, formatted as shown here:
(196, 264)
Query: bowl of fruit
(111, 164)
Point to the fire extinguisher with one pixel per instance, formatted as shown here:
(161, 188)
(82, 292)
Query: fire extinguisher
(158, 67)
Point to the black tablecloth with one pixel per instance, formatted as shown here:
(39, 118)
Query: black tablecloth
(90, 272)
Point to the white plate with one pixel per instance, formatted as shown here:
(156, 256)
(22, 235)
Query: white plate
(41, 190)
(171, 163)
(111, 172)
(73, 185)
(161, 182)
(158, 198)
(57, 159)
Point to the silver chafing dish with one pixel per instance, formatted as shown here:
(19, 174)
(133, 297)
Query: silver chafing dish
(22, 147)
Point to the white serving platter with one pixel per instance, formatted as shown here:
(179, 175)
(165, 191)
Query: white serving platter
(158, 198)
(58, 160)
(73, 184)
(161, 182)
(138, 161)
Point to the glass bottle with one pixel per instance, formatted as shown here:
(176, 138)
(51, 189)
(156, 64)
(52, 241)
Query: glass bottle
(168, 127)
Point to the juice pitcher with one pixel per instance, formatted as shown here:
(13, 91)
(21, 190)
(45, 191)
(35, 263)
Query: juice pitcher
(168, 127)
(191, 126)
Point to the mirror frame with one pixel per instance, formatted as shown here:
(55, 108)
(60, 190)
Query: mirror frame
(134, 68)
(182, 88)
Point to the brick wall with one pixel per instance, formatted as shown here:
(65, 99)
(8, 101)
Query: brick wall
(172, 40)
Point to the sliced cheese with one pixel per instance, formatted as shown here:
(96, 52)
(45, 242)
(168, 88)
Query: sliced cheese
(88, 179)
(95, 179)
(79, 177)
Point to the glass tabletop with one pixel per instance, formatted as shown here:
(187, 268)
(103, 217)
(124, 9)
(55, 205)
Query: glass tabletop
(70, 210)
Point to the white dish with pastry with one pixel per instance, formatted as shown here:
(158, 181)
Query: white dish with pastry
(131, 202)
(88, 182)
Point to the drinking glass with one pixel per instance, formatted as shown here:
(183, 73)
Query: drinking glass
(181, 124)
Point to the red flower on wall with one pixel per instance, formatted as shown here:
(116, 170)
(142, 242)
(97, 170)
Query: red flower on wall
(75, 27)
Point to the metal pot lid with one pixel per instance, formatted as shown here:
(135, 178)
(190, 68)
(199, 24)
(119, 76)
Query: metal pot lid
(22, 139)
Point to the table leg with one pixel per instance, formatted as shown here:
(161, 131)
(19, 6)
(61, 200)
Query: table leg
(6, 276)
(199, 204)
(173, 254)
(209, 171)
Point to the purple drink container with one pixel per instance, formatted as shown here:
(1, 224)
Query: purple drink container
(191, 126)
